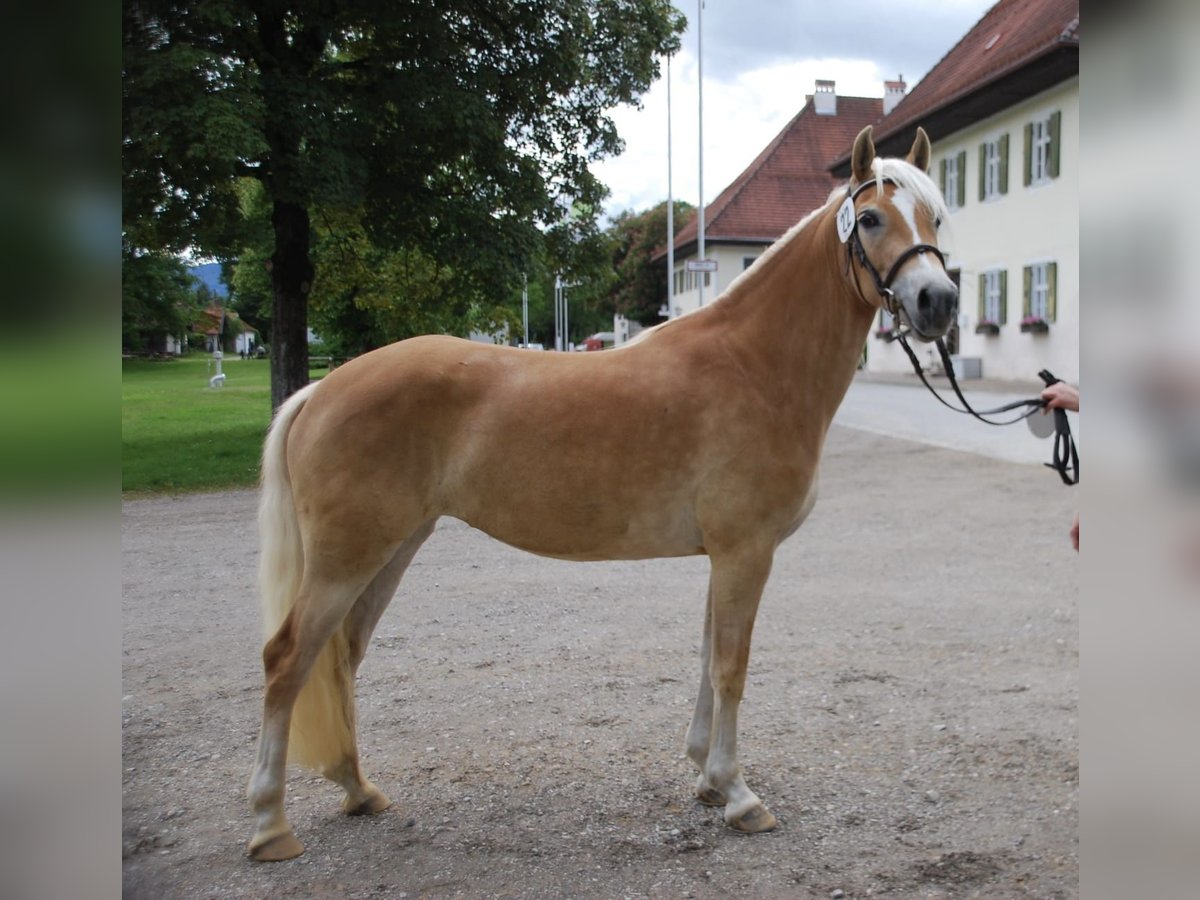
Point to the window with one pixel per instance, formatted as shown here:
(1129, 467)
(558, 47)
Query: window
(993, 300)
(1042, 148)
(1041, 151)
(747, 262)
(1040, 291)
(954, 179)
(993, 168)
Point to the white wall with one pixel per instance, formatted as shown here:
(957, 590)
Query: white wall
(1027, 225)
(730, 265)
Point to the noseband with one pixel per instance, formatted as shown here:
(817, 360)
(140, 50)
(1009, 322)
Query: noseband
(854, 247)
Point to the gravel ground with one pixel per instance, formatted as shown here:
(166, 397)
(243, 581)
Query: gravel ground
(911, 711)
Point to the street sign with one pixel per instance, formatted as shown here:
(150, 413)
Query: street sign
(701, 265)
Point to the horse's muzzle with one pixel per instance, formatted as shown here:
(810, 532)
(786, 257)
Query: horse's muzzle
(935, 312)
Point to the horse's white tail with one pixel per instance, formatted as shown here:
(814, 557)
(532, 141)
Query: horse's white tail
(322, 730)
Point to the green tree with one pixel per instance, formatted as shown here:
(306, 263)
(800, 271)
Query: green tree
(640, 287)
(461, 129)
(158, 298)
(364, 295)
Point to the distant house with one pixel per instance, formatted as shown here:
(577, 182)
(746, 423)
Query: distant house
(1002, 111)
(785, 182)
(222, 329)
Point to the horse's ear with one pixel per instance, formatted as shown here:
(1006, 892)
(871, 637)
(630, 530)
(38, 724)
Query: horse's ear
(862, 156)
(920, 152)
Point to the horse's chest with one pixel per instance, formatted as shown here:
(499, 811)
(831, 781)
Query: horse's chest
(806, 507)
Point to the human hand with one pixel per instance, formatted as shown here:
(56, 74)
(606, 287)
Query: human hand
(1061, 395)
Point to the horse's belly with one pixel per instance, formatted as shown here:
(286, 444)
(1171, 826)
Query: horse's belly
(587, 527)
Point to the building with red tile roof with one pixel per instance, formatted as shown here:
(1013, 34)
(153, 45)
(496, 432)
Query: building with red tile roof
(786, 181)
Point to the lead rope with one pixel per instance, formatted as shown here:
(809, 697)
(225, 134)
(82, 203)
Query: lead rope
(1065, 457)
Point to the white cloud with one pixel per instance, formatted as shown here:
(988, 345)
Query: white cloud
(761, 57)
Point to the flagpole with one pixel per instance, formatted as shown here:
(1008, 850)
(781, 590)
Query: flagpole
(700, 63)
(670, 209)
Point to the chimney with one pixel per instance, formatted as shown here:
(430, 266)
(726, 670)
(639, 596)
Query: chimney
(825, 99)
(893, 93)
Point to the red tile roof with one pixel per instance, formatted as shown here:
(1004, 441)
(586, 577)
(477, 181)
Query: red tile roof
(788, 180)
(1010, 36)
(208, 320)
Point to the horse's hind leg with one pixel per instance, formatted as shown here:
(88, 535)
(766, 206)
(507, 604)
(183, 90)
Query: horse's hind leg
(700, 731)
(288, 657)
(362, 797)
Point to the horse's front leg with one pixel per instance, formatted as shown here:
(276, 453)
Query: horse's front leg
(735, 588)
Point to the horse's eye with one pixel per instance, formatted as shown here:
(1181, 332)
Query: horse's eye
(937, 223)
(868, 220)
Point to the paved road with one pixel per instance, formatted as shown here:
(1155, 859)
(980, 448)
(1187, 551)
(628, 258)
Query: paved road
(908, 411)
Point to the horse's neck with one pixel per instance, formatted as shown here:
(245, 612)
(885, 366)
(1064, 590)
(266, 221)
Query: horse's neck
(799, 319)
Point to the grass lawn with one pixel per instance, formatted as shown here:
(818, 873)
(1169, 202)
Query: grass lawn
(177, 434)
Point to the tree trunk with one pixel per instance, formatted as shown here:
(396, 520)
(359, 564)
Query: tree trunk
(291, 281)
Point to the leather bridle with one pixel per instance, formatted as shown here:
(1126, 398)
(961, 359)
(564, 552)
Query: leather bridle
(854, 248)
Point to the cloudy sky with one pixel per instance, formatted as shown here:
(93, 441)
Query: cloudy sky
(761, 57)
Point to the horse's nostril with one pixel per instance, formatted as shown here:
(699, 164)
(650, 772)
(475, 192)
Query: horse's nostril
(924, 301)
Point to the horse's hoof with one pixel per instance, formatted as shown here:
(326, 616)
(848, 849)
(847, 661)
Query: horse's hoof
(755, 820)
(273, 849)
(710, 796)
(375, 802)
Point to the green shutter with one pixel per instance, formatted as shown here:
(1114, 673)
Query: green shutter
(1004, 163)
(982, 296)
(982, 170)
(1028, 153)
(962, 178)
(942, 176)
(1055, 142)
(1003, 296)
(1027, 308)
(1051, 291)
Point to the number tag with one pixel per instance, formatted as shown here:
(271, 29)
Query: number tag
(845, 220)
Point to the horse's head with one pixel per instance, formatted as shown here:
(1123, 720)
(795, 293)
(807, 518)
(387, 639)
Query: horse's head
(890, 220)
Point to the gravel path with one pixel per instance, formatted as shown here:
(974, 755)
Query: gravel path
(910, 713)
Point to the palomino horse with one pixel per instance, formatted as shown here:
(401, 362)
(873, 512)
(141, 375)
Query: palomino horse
(358, 467)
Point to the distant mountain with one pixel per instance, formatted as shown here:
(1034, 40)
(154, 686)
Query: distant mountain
(210, 275)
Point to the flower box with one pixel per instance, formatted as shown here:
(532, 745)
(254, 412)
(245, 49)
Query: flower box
(1034, 325)
(990, 328)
